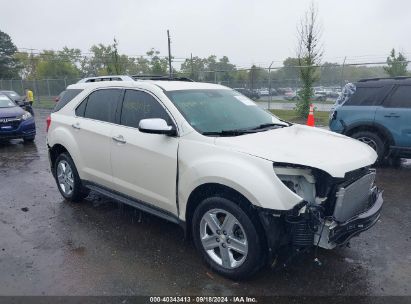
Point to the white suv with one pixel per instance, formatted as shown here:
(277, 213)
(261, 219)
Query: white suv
(241, 182)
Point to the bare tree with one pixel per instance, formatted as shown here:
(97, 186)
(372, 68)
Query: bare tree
(309, 53)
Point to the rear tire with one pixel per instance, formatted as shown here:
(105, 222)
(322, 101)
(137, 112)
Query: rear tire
(67, 179)
(374, 141)
(234, 247)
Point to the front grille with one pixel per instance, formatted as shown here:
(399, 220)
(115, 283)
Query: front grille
(353, 199)
(9, 124)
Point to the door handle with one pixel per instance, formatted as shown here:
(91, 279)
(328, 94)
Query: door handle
(120, 139)
(76, 126)
(392, 115)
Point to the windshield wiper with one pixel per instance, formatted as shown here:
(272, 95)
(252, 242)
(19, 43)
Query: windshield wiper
(235, 132)
(268, 125)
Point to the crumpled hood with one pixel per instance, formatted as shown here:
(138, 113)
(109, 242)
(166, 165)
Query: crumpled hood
(11, 112)
(331, 152)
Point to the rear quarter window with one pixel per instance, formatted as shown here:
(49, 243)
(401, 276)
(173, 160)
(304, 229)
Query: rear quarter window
(66, 97)
(400, 98)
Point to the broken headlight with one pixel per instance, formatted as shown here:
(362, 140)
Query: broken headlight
(300, 180)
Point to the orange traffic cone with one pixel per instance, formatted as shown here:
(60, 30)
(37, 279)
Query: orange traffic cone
(310, 118)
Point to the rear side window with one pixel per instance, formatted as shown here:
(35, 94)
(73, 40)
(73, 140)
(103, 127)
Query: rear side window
(100, 105)
(400, 98)
(365, 96)
(66, 97)
(139, 105)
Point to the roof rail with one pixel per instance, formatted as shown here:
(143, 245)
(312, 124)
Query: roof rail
(161, 77)
(385, 78)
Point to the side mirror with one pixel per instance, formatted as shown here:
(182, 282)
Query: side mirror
(156, 126)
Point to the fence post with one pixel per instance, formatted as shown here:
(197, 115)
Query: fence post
(342, 72)
(48, 87)
(37, 90)
(270, 96)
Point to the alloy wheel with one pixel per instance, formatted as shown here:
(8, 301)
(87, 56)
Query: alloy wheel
(223, 238)
(65, 177)
(368, 141)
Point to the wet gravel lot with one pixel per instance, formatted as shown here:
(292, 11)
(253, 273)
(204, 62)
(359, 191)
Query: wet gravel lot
(99, 247)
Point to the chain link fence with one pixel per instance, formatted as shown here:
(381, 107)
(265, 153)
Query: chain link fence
(43, 89)
(278, 80)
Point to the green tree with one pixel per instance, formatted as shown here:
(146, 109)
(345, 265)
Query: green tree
(240, 78)
(193, 68)
(26, 66)
(290, 70)
(396, 65)
(51, 64)
(158, 65)
(309, 57)
(104, 60)
(226, 69)
(9, 66)
(138, 66)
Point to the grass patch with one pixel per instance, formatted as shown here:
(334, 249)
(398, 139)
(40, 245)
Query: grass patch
(274, 100)
(321, 118)
(44, 104)
(328, 101)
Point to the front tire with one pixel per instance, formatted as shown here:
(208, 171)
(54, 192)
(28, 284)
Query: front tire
(374, 141)
(227, 238)
(67, 178)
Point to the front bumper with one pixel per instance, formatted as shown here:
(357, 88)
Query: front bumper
(26, 129)
(303, 231)
(337, 234)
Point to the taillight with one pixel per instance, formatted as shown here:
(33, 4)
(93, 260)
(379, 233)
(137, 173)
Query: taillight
(48, 122)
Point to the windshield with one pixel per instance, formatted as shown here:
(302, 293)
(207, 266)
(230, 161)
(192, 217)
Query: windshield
(213, 111)
(13, 95)
(6, 102)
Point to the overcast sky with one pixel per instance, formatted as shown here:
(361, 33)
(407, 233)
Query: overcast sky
(248, 32)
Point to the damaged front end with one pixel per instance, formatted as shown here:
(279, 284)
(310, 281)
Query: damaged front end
(331, 212)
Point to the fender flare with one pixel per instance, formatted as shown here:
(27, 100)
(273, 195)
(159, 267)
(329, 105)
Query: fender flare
(373, 125)
(66, 140)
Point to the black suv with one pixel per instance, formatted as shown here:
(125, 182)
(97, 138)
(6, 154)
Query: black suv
(378, 112)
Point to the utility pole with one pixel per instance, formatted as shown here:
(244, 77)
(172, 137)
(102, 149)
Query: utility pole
(269, 86)
(169, 55)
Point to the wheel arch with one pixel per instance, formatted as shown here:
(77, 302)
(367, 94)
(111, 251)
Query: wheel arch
(207, 190)
(61, 140)
(54, 152)
(382, 131)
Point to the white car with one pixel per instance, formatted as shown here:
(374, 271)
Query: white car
(241, 182)
(264, 92)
